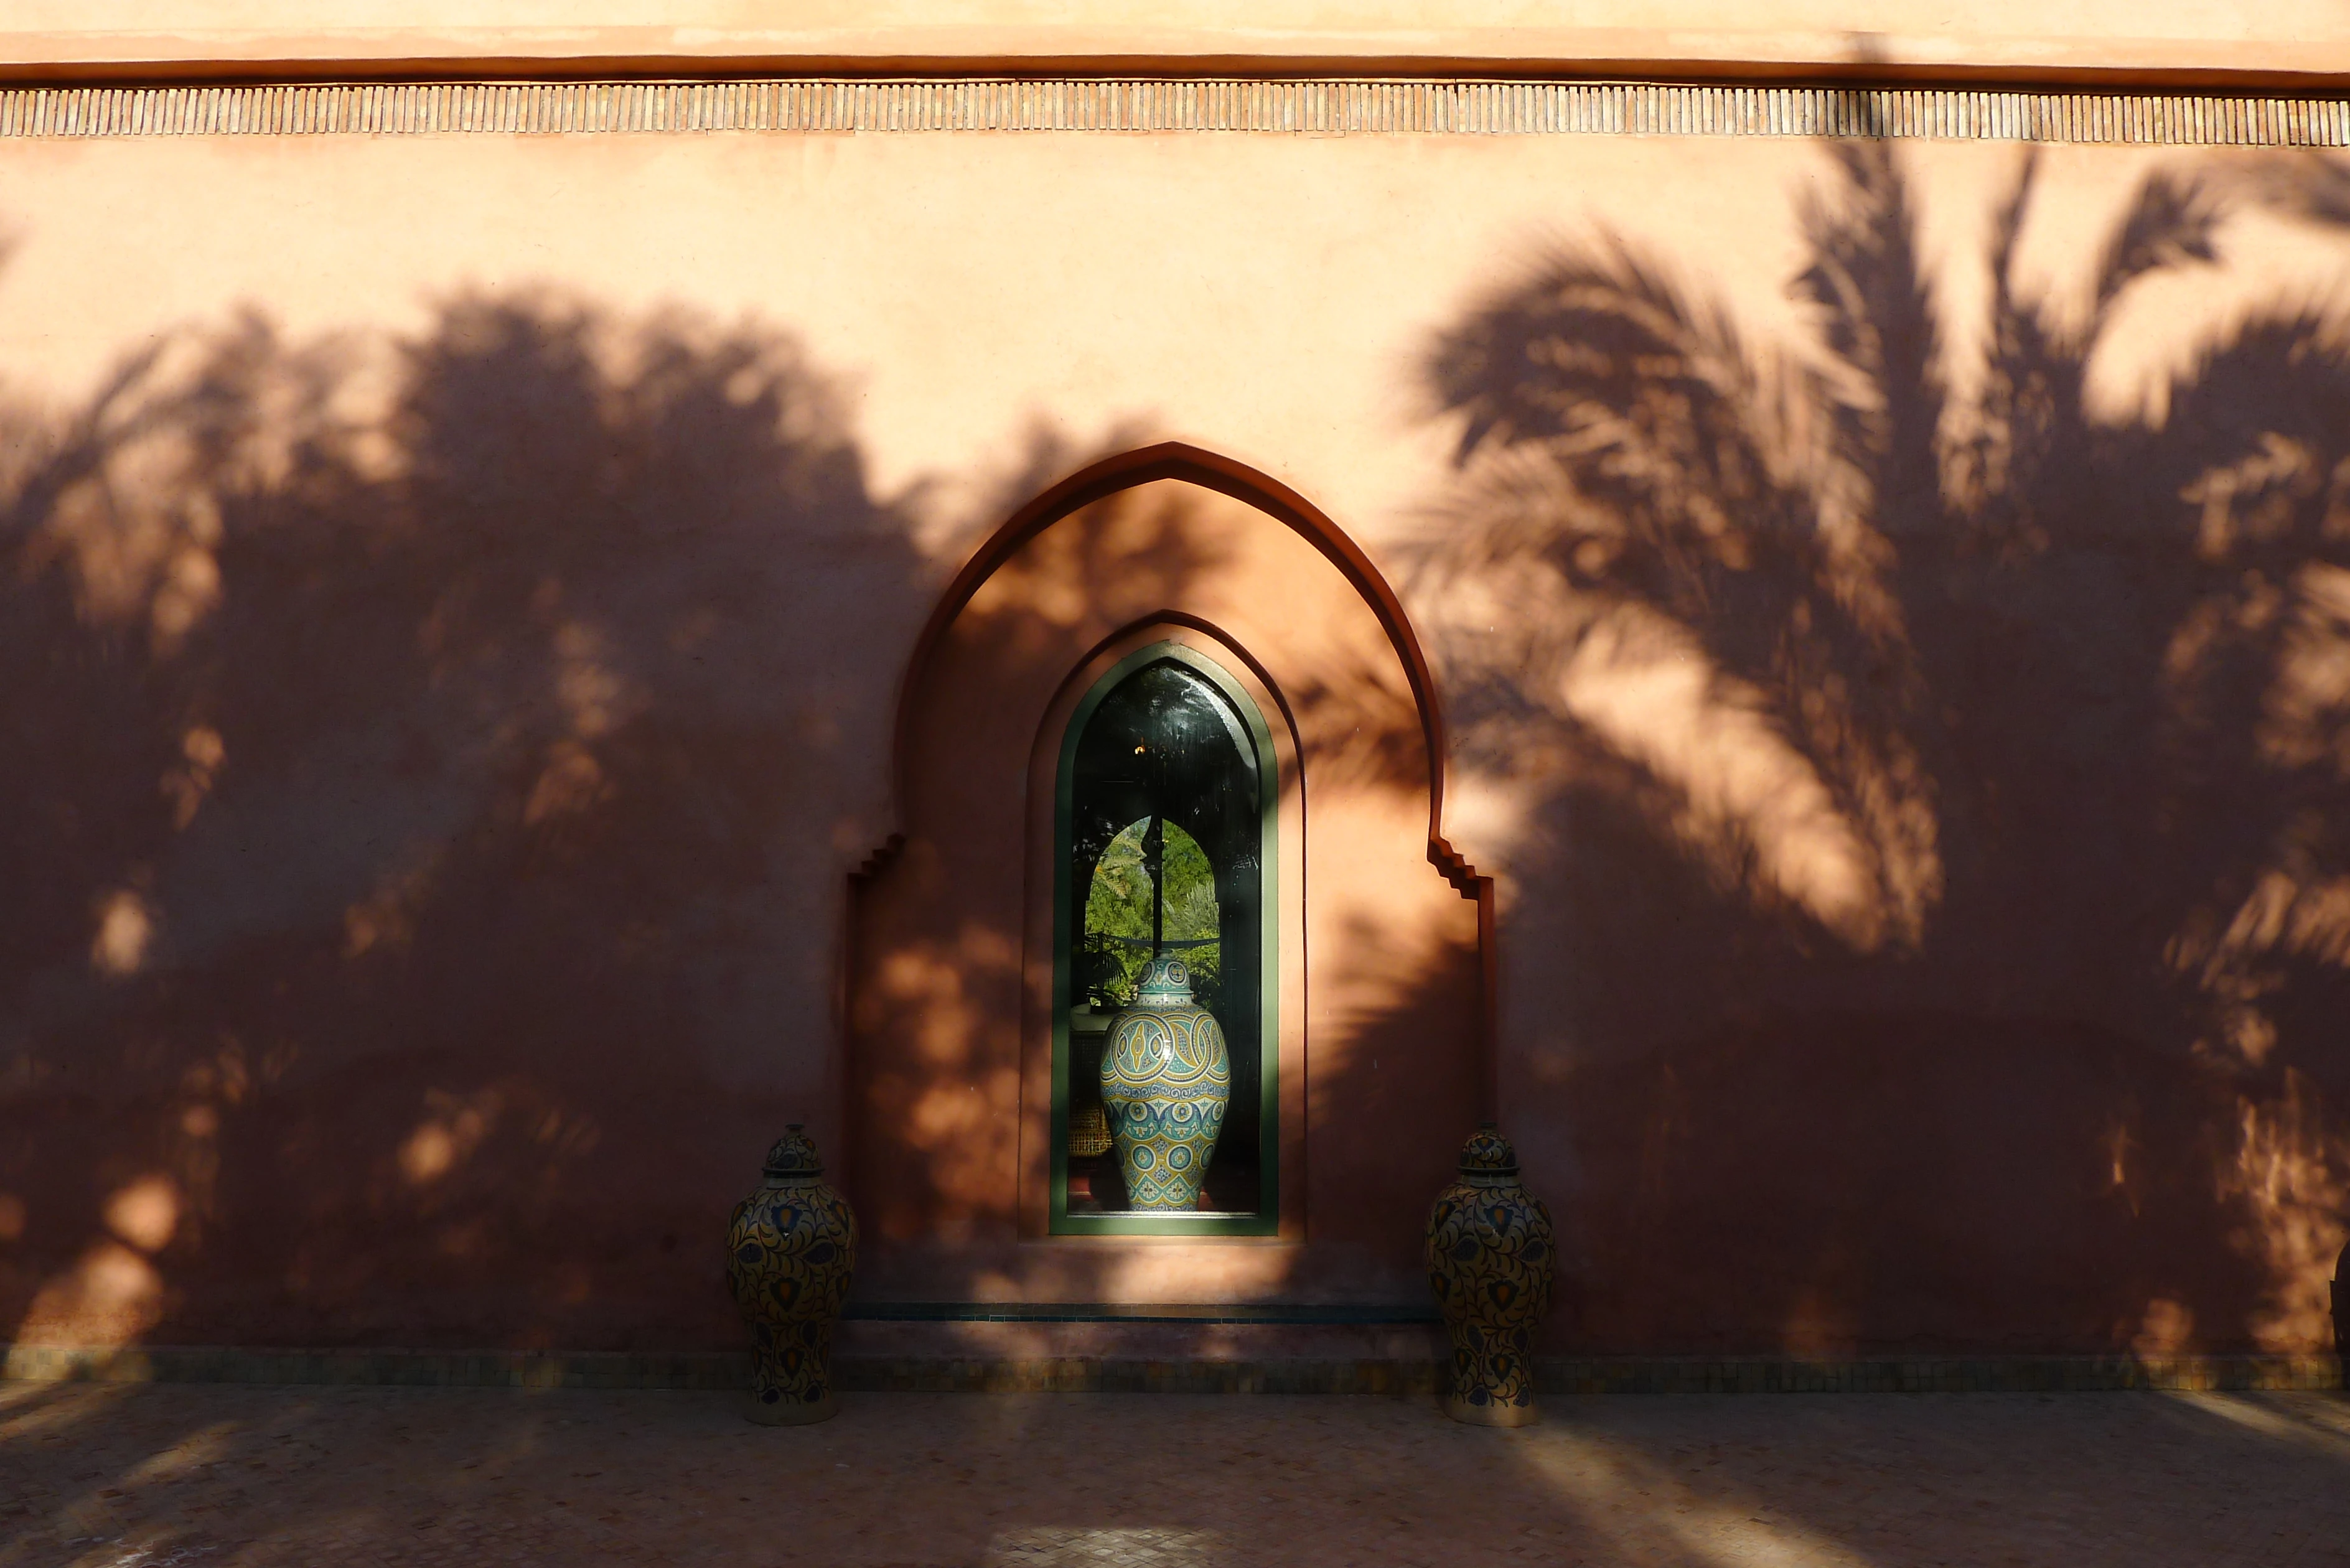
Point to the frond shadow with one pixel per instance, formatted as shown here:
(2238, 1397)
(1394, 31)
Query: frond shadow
(1852, 725)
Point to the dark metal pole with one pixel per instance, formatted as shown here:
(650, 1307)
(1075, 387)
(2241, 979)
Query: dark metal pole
(1154, 845)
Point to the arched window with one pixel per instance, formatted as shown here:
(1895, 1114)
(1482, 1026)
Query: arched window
(1164, 848)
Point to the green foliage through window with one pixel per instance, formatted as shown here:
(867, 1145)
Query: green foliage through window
(1118, 912)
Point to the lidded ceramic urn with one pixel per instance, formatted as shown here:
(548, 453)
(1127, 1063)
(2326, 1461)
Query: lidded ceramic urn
(2342, 1313)
(1490, 1256)
(789, 1255)
(1166, 1082)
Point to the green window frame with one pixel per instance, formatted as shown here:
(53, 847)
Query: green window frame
(1267, 1219)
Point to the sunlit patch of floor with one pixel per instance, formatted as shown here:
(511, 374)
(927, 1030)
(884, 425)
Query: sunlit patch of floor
(1143, 1547)
(1640, 1507)
(147, 1557)
(2322, 1428)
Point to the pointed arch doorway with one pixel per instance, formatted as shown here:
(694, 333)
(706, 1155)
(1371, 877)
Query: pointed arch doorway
(1365, 1032)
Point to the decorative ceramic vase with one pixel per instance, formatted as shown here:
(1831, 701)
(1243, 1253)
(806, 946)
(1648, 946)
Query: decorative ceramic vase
(1490, 1259)
(2342, 1313)
(1166, 1080)
(789, 1256)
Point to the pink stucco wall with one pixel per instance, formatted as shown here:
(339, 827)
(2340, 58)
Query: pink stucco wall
(1888, 605)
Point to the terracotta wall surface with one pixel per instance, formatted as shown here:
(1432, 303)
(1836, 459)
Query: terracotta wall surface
(1891, 607)
(2068, 37)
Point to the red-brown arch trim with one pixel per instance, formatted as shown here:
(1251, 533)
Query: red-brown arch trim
(1212, 471)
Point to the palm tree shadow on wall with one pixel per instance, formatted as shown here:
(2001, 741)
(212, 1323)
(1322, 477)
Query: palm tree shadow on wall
(1932, 919)
(425, 771)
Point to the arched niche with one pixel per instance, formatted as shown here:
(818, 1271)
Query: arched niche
(951, 999)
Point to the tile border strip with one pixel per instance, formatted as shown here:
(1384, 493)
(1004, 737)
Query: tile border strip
(1408, 1314)
(1558, 1375)
(376, 1369)
(1935, 1375)
(812, 105)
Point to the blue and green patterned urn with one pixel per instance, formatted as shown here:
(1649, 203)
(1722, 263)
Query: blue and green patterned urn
(1489, 1257)
(789, 1256)
(1166, 1080)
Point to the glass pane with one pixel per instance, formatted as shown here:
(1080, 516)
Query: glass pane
(1166, 858)
(1118, 912)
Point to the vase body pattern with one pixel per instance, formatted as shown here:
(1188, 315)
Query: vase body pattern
(1490, 1258)
(1166, 1082)
(790, 1253)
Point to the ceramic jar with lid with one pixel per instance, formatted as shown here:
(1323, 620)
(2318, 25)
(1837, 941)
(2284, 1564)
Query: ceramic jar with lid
(790, 1253)
(2342, 1313)
(1489, 1259)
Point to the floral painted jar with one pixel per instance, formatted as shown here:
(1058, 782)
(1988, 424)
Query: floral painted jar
(789, 1256)
(2342, 1313)
(1490, 1258)
(1166, 1083)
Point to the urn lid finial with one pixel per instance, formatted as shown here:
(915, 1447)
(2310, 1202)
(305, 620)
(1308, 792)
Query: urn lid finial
(1165, 982)
(1488, 1153)
(794, 1154)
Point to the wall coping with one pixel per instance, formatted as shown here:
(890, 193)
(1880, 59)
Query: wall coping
(2277, 42)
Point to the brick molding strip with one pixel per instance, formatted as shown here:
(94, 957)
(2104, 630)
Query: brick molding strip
(1563, 1375)
(1314, 108)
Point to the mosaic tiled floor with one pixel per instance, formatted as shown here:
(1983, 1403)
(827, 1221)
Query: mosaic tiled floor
(177, 1476)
